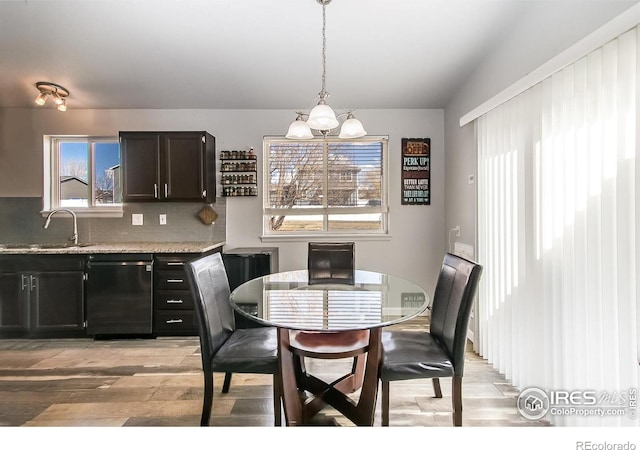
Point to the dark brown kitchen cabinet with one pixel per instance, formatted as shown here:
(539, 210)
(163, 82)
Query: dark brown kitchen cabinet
(168, 166)
(41, 296)
(173, 305)
(13, 309)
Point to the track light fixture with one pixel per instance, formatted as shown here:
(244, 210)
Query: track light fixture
(56, 91)
(322, 118)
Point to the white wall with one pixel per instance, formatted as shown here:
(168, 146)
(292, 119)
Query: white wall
(414, 251)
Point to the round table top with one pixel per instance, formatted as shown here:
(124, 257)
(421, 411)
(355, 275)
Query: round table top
(287, 300)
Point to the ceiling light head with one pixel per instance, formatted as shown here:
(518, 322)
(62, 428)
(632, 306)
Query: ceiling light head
(352, 128)
(41, 99)
(56, 91)
(322, 118)
(56, 98)
(299, 129)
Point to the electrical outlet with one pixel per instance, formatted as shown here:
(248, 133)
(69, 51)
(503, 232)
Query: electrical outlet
(464, 250)
(163, 219)
(457, 230)
(137, 219)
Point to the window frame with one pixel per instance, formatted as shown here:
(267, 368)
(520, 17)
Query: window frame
(51, 197)
(326, 211)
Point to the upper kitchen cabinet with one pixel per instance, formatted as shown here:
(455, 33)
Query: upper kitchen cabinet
(168, 166)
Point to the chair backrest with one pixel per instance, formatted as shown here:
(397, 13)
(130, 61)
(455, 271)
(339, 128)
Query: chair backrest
(452, 303)
(331, 262)
(210, 288)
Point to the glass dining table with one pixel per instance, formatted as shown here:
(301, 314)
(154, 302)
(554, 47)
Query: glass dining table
(329, 321)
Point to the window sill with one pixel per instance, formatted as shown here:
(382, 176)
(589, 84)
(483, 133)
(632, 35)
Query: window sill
(325, 237)
(115, 212)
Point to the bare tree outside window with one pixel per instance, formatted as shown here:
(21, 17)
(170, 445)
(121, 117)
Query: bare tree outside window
(74, 168)
(104, 187)
(325, 185)
(77, 186)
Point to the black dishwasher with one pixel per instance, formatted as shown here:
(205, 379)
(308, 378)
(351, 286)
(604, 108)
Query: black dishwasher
(119, 295)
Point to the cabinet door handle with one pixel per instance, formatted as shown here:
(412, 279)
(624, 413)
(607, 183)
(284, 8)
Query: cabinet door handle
(175, 264)
(166, 190)
(174, 321)
(34, 282)
(155, 190)
(175, 280)
(175, 301)
(24, 282)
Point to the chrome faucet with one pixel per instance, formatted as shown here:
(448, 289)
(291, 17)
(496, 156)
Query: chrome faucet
(74, 236)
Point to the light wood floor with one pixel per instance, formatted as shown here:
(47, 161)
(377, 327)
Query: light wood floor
(158, 382)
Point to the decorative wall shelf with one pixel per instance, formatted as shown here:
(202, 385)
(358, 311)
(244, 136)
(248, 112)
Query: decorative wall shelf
(238, 173)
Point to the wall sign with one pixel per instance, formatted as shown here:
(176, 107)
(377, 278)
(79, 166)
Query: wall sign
(416, 171)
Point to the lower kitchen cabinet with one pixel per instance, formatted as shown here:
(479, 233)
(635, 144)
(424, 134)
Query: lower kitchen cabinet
(174, 307)
(41, 296)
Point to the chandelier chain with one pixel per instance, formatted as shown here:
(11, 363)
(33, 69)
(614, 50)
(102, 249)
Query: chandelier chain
(323, 92)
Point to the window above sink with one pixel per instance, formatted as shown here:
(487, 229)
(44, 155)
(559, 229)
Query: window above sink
(82, 173)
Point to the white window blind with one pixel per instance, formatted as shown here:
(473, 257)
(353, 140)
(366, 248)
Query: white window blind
(325, 186)
(558, 187)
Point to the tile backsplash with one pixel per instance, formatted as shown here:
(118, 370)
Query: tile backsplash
(22, 222)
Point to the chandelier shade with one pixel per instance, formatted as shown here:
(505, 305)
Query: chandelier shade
(352, 128)
(322, 118)
(299, 129)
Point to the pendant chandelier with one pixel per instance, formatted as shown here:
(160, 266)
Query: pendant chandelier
(322, 118)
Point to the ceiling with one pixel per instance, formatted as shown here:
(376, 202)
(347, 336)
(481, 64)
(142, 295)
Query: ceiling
(248, 54)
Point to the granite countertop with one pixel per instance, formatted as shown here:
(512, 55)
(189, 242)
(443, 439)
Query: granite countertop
(113, 247)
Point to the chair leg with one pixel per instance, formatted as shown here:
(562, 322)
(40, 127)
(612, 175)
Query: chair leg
(436, 387)
(385, 403)
(277, 399)
(208, 399)
(457, 400)
(227, 382)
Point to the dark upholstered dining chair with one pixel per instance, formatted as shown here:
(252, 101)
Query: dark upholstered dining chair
(439, 352)
(331, 262)
(225, 348)
(334, 262)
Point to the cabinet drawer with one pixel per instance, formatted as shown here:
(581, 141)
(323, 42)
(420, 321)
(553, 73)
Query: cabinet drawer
(173, 300)
(172, 280)
(173, 262)
(175, 322)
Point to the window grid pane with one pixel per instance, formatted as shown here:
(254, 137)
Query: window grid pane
(73, 173)
(85, 172)
(107, 172)
(309, 182)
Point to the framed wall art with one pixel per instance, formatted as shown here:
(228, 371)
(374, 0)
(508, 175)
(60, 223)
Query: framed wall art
(416, 171)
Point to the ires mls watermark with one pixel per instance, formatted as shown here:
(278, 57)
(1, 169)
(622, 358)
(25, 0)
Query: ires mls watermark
(534, 403)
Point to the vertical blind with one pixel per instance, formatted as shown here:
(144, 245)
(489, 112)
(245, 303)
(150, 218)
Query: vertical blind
(558, 195)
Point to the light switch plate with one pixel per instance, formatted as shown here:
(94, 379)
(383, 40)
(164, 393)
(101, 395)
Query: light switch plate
(137, 219)
(163, 219)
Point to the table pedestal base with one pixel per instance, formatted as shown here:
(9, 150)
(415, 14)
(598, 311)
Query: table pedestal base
(304, 395)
